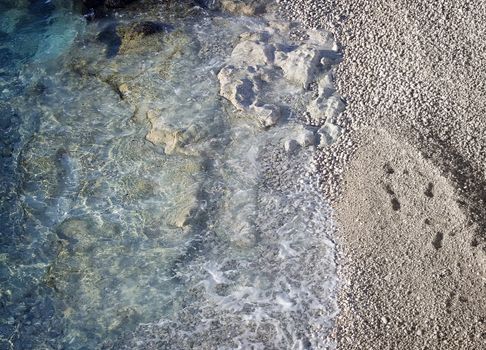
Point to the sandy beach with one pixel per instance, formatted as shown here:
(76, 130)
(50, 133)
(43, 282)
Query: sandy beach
(411, 204)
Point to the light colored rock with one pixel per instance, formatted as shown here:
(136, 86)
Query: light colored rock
(325, 85)
(242, 8)
(326, 108)
(252, 53)
(279, 26)
(252, 67)
(252, 36)
(299, 66)
(291, 146)
(239, 86)
(268, 114)
(329, 133)
(335, 106)
(174, 140)
(124, 89)
(306, 137)
(316, 108)
(322, 38)
(181, 217)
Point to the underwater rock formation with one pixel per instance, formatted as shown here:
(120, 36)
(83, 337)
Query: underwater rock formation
(118, 3)
(134, 36)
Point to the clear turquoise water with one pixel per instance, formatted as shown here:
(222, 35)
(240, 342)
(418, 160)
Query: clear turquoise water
(107, 241)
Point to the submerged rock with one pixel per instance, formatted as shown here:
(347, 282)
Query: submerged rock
(148, 28)
(92, 9)
(118, 3)
(181, 217)
(93, 3)
(10, 19)
(111, 39)
(175, 140)
(242, 7)
(135, 36)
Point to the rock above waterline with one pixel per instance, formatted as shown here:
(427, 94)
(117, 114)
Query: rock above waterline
(326, 108)
(306, 137)
(268, 114)
(253, 52)
(264, 66)
(329, 134)
(299, 66)
(238, 85)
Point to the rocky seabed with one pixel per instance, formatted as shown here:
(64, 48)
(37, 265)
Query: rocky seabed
(166, 194)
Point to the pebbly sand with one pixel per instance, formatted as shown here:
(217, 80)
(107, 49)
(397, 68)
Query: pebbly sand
(411, 199)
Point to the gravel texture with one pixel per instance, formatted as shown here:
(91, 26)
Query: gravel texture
(408, 177)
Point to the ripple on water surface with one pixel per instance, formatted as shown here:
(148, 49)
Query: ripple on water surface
(143, 211)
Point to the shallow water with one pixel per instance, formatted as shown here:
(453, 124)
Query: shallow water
(112, 241)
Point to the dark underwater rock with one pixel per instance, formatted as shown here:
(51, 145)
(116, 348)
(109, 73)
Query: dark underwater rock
(117, 3)
(148, 28)
(111, 4)
(7, 57)
(93, 3)
(135, 36)
(109, 37)
(93, 9)
(209, 4)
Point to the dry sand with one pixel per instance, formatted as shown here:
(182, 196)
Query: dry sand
(412, 196)
(412, 280)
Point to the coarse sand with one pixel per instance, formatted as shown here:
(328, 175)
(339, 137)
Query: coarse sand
(412, 280)
(411, 190)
